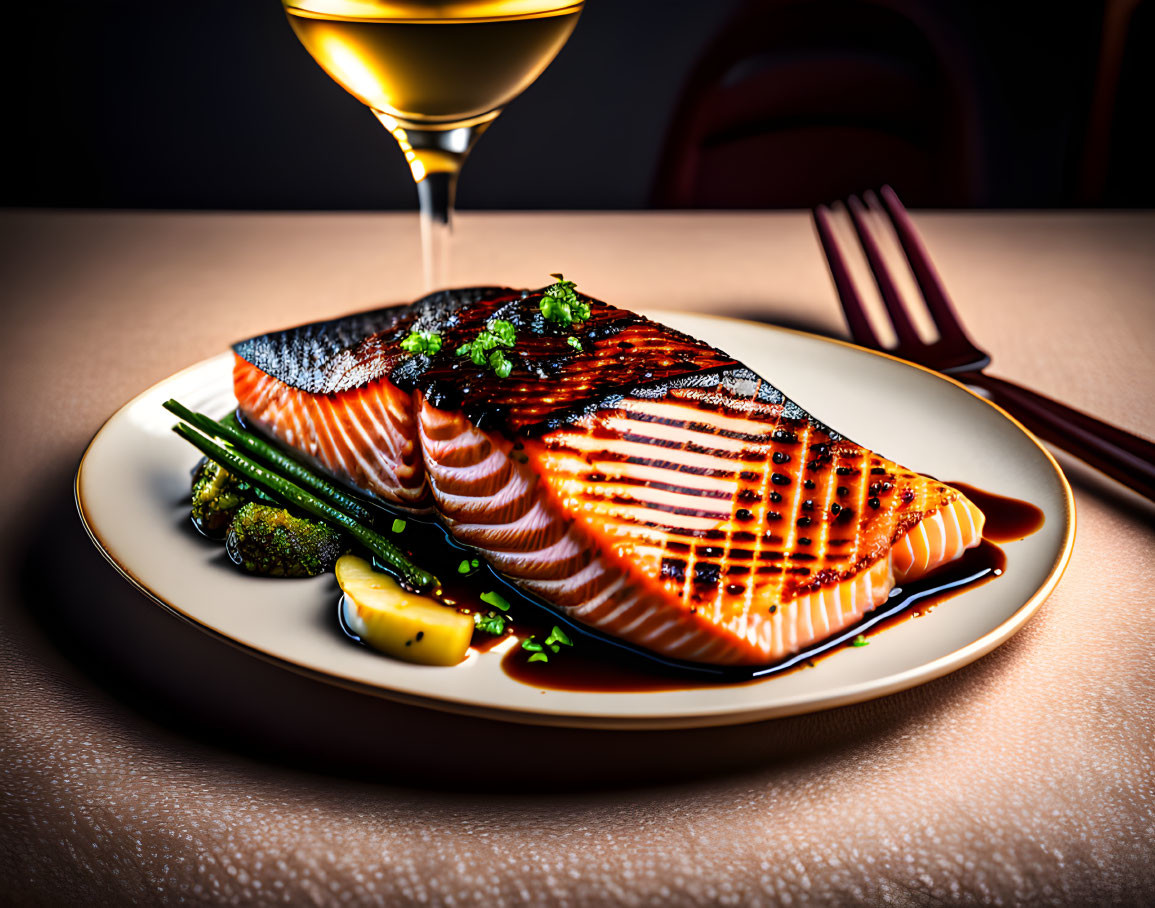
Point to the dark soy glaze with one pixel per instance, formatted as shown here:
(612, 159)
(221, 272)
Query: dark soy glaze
(1008, 519)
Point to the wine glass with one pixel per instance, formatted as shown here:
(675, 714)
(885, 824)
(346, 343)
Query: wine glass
(436, 74)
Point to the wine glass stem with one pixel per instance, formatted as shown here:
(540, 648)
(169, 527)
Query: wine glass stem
(435, 192)
(435, 156)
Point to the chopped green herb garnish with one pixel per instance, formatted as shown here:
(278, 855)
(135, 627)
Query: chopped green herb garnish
(574, 342)
(860, 641)
(496, 600)
(485, 348)
(463, 568)
(426, 342)
(503, 331)
(499, 364)
(398, 525)
(554, 642)
(557, 638)
(538, 651)
(490, 623)
(560, 303)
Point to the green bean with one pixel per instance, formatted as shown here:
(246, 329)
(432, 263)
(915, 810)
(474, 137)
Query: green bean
(273, 458)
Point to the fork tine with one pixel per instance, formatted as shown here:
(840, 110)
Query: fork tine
(852, 305)
(929, 282)
(903, 327)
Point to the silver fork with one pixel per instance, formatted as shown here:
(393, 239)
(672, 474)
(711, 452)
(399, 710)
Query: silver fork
(1120, 454)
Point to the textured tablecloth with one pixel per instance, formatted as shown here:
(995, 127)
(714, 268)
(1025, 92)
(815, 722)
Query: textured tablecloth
(143, 762)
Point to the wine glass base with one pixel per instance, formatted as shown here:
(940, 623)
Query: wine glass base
(440, 148)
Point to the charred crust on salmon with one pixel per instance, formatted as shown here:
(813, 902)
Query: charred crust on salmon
(621, 353)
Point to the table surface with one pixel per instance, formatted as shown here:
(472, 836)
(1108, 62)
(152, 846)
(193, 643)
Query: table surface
(142, 761)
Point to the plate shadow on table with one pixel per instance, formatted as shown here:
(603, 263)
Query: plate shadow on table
(202, 692)
(785, 314)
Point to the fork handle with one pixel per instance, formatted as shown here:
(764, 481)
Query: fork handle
(1121, 455)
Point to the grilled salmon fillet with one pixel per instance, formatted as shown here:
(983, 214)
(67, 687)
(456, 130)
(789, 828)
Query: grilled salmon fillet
(642, 483)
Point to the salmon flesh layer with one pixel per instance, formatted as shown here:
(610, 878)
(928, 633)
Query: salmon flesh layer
(647, 485)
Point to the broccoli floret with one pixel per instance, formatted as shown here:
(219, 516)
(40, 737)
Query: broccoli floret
(271, 541)
(216, 495)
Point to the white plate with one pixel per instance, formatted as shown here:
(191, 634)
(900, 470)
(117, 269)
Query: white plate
(136, 473)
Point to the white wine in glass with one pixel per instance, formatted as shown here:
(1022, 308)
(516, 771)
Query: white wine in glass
(435, 74)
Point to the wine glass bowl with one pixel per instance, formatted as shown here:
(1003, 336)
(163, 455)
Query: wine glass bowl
(436, 75)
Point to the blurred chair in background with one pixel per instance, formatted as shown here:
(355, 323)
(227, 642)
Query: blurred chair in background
(798, 102)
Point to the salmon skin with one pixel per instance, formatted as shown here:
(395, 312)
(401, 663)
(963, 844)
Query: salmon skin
(646, 486)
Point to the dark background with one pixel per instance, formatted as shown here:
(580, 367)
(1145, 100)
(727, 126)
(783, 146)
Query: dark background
(214, 104)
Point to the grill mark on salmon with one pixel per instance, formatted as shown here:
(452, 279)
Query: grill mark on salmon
(701, 427)
(648, 486)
